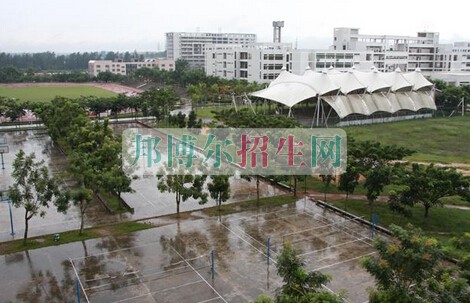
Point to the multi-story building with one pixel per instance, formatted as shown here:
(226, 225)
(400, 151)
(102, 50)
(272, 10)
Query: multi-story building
(191, 46)
(460, 60)
(391, 51)
(125, 68)
(260, 62)
(321, 60)
(350, 49)
(407, 52)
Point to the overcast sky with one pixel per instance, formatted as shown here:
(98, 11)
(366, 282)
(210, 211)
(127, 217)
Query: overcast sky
(91, 25)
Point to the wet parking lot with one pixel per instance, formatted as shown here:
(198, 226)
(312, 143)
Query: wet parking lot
(147, 201)
(172, 263)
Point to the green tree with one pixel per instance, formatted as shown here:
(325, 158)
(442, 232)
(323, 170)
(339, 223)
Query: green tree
(34, 189)
(181, 120)
(159, 101)
(427, 185)
(408, 270)
(326, 179)
(82, 199)
(246, 118)
(219, 189)
(3, 105)
(374, 161)
(349, 180)
(299, 285)
(181, 67)
(116, 181)
(96, 159)
(97, 105)
(183, 185)
(127, 57)
(14, 109)
(192, 119)
(62, 116)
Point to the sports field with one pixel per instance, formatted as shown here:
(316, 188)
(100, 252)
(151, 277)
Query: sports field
(46, 93)
(174, 263)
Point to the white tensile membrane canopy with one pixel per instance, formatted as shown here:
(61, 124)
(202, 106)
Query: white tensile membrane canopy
(354, 92)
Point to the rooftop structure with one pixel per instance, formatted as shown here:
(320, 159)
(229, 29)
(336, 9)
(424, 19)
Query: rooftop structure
(121, 67)
(191, 46)
(353, 92)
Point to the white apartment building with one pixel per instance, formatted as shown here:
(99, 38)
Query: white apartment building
(120, 67)
(460, 57)
(256, 62)
(190, 46)
(322, 60)
(350, 49)
(406, 52)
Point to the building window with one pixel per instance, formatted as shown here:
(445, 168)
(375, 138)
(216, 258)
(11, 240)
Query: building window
(243, 64)
(243, 74)
(225, 55)
(272, 66)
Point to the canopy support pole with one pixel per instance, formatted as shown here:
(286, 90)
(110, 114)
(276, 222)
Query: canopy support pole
(316, 113)
(249, 102)
(328, 116)
(323, 113)
(318, 109)
(234, 102)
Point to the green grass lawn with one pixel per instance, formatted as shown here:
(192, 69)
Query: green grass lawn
(121, 228)
(113, 202)
(46, 93)
(207, 111)
(315, 184)
(442, 223)
(231, 208)
(443, 140)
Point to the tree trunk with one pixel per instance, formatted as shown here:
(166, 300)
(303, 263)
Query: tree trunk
(295, 186)
(26, 223)
(426, 211)
(178, 200)
(371, 209)
(347, 195)
(82, 214)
